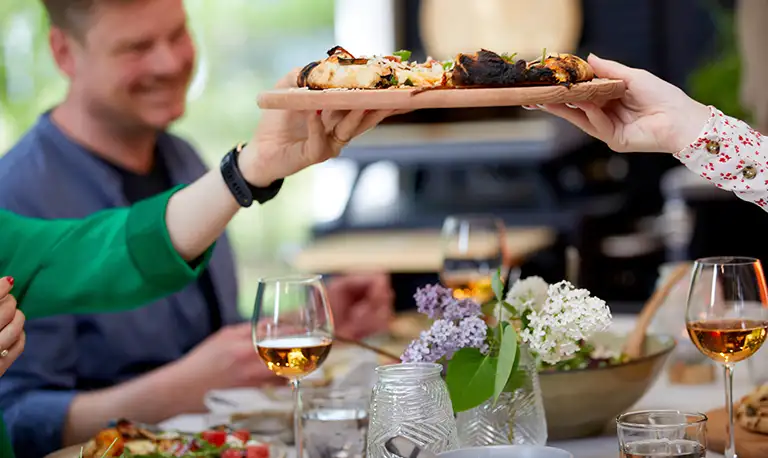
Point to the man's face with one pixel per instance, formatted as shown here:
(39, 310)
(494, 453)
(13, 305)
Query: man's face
(134, 62)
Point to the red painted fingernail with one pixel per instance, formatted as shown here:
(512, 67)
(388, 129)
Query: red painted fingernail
(9, 280)
(319, 112)
(367, 111)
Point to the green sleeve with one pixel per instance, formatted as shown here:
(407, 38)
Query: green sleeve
(111, 261)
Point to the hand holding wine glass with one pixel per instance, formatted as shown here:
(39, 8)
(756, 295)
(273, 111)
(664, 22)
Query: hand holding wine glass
(293, 331)
(727, 317)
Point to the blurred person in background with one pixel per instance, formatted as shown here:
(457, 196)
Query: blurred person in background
(129, 64)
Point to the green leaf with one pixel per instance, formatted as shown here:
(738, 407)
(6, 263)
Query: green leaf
(403, 54)
(470, 378)
(507, 356)
(448, 64)
(498, 285)
(509, 308)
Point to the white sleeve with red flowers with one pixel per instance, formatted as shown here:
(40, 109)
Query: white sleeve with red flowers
(732, 155)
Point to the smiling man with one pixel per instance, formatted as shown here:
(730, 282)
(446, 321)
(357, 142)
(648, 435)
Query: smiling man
(129, 63)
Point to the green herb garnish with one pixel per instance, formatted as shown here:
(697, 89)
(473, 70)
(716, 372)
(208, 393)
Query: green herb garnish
(403, 55)
(543, 55)
(408, 82)
(509, 58)
(448, 64)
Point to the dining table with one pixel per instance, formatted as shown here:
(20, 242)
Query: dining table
(662, 395)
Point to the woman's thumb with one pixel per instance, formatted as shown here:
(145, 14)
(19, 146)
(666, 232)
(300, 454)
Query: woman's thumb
(605, 68)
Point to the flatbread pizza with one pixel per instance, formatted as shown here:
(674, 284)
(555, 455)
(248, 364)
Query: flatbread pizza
(483, 69)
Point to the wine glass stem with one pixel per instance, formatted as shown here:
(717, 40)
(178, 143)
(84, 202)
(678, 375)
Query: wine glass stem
(298, 432)
(730, 446)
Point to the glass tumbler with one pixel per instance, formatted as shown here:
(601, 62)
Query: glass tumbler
(662, 433)
(411, 400)
(335, 422)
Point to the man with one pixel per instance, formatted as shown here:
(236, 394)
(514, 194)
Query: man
(129, 64)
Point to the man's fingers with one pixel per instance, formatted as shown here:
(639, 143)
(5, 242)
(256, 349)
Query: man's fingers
(346, 129)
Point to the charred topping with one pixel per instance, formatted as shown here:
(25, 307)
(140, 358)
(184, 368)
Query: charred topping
(352, 61)
(486, 69)
(302, 79)
(339, 50)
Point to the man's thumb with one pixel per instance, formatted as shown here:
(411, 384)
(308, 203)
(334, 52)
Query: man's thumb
(605, 68)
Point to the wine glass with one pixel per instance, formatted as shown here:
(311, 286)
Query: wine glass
(726, 317)
(293, 332)
(473, 250)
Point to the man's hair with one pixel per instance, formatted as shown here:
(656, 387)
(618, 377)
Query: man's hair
(72, 15)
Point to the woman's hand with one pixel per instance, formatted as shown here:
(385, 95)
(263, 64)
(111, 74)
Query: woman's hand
(652, 116)
(288, 141)
(11, 326)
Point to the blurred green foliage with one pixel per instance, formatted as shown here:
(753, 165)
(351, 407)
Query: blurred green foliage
(718, 81)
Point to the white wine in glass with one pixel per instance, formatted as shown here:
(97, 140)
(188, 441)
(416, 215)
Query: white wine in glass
(727, 318)
(293, 332)
(473, 251)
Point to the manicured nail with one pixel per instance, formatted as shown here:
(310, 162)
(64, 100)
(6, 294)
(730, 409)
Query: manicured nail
(570, 105)
(539, 106)
(367, 111)
(319, 112)
(9, 280)
(529, 107)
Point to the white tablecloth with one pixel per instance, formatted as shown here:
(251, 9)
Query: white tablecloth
(662, 395)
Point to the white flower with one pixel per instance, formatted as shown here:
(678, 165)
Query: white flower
(527, 294)
(569, 315)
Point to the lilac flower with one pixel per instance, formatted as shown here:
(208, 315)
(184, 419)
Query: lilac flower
(472, 334)
(444, 338)
(437, 301)
(431, 300)
(460, 309)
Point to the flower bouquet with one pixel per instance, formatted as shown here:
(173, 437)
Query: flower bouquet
(498, 348)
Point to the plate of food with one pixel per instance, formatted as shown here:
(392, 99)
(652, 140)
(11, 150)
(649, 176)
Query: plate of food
(343, 81)
(132, 440)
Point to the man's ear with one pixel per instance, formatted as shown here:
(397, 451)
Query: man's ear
(61, 45)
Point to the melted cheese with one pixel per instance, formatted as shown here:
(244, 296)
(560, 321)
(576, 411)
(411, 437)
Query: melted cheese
(140, 447)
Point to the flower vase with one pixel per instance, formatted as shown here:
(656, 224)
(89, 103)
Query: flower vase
(517, 416)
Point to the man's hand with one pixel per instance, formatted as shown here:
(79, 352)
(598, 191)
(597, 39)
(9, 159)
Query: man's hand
(362, 304)
(226, 359)
(288, 141)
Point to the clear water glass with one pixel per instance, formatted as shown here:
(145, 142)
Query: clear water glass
(411, 400)
(335, 422)
(662, 434)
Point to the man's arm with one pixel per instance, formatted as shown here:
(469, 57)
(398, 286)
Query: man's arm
(150, 398)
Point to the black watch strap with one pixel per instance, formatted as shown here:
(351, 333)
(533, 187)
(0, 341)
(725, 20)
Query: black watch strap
(244, 192)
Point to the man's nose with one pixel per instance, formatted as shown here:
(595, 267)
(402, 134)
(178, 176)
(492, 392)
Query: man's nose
(166, 60)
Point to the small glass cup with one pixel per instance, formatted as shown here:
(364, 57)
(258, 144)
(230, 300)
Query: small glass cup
(662, 433)
(335, 422)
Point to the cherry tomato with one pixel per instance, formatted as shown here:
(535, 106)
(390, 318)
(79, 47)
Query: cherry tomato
(232, 453)
(242, 434)
(217, 438)
(257, 451)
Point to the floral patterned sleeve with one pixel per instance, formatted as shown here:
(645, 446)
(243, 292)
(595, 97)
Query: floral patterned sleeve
(732, 155)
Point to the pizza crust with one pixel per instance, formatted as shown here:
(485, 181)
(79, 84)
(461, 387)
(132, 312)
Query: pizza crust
(752, 411)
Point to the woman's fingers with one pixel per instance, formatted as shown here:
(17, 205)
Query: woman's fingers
(6, 284)
(11, 333)
(576, 117)
(12, 353)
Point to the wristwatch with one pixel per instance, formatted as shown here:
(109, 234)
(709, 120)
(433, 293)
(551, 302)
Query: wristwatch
(244, 192)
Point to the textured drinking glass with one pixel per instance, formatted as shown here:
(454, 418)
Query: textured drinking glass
(662, 434)
(411, 400)
(727, 318)
(473, 250)
(335, 422)
(517, 417)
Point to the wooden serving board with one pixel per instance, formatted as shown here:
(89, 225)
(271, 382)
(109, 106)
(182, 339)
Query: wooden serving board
(748, 444)
(400, 99)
